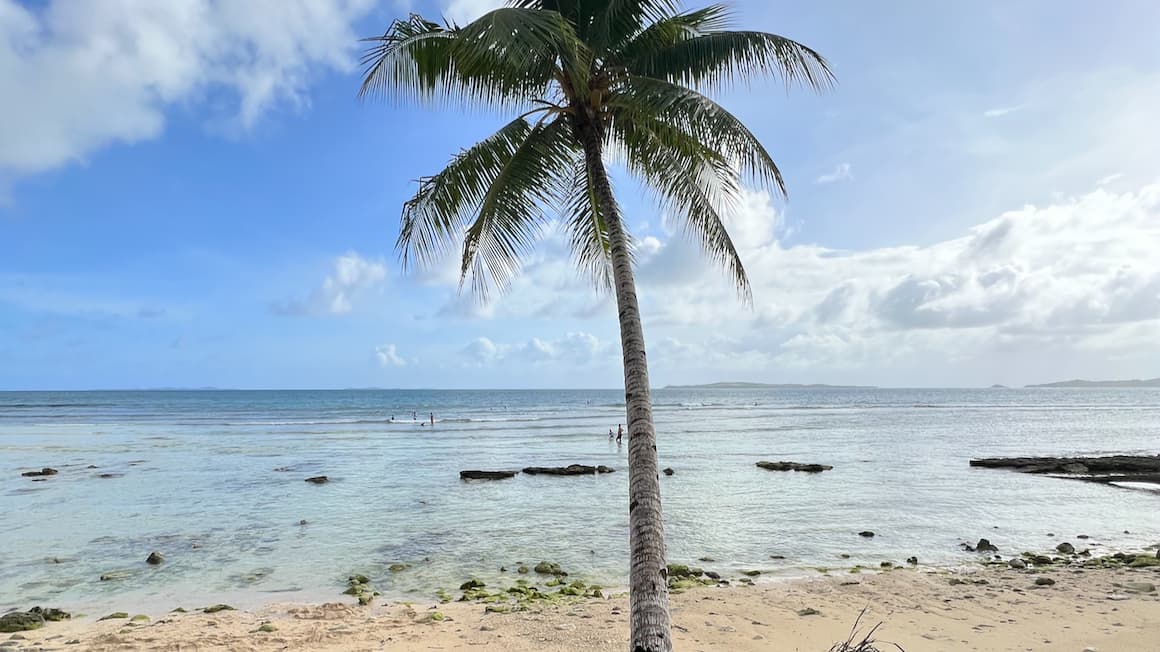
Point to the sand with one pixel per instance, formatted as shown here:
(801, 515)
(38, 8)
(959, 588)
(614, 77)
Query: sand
(920, 610)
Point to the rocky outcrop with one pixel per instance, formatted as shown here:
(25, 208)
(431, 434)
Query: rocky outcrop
(571, 469)
(46, 471)
(486, 475)
(794, 466)
(1106, 469)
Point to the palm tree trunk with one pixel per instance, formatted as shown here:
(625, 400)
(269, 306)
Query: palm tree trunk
(648, 579)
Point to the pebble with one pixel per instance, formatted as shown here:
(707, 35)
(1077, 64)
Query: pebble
(1044, 581)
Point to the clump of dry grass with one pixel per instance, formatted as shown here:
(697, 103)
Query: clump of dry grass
(862, 643)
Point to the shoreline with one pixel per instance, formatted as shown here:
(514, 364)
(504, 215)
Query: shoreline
(1101, 603)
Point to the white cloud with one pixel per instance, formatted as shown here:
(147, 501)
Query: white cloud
(574, 349)
(840, 173)
(465, 11)
(388, 356)
(79, 75)
(1000, 111)
(352, 276)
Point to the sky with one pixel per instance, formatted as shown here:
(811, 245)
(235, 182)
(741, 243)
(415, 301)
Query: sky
(192, 195)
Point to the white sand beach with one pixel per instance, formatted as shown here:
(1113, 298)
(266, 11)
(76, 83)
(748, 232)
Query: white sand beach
(978, 609)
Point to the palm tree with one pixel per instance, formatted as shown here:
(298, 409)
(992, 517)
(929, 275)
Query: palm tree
(589, 81)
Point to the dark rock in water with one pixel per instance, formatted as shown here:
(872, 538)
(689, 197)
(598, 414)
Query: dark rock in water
(108, 476)
(20, 621)
(571, 469)
(471, 584)
(713, 575)
(794, 466)
(302, 522)
(549, 568)
(1107, 469)
(1066, 548)
(866, 533)
(1044, 581)
(51, 614)
(154, 558)
(777, 556)
(985, 546)
(318, 479)
(43, 472)
(1082, 536)
(913, 561)
(486, 475)
(282, 469)
(669, 471)
(92, 466)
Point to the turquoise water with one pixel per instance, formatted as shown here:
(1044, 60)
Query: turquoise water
(197, 482)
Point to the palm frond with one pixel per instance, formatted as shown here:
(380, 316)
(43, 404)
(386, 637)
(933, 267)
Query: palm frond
(513, 211)
(671, 30)
(643, 98)
(587, 228)
(693, 182)
(435, 218)
(717, 59)
(503, 59)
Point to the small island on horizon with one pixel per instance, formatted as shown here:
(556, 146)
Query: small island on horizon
(739, 385)
(1152, 382)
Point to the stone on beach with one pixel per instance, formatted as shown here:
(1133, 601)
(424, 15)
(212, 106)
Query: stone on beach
(793, 466)
(20, 621)
(571, 469)
(1066, 548)
(486, 475)
(1017, 564)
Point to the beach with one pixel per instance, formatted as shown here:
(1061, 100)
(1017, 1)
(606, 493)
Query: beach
(981, 608)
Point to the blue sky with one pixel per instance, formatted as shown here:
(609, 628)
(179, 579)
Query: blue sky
(192, 195)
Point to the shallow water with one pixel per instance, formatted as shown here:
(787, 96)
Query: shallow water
(195, 480)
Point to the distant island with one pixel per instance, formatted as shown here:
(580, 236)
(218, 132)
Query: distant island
(1153, 382)
(767, 386)
(999, 387)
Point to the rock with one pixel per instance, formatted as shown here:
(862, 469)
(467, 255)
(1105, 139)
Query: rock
(1139, 587)
(302, 522)
(866, 533)
(395, 568)
(1017, 564)
(751, 573)
(139, 618)
(318, 479)
(46, 471)
(522, 570)
(154, 558)
(549, 568)
(913, 561)
(777, 556)
(20, 621)
(486, 475)
(267, 627)
(793, 466)
(216, 608)
(51, 614)
(808, 611)
(471, 584)
(1066, 548)
(887, 564)
(1044, 581)
(709, 559)
(1075, 467)
(713, 575)
(115, 616)
(985, 546)
(676, 571)
(1082, 536)
(1144, 560)
(669, 471)
(571, 469)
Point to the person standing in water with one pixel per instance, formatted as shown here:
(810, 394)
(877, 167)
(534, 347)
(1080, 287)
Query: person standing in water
(432, 419)
(619, 432)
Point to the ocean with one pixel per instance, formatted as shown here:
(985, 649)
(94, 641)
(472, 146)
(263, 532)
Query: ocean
(193, 476)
